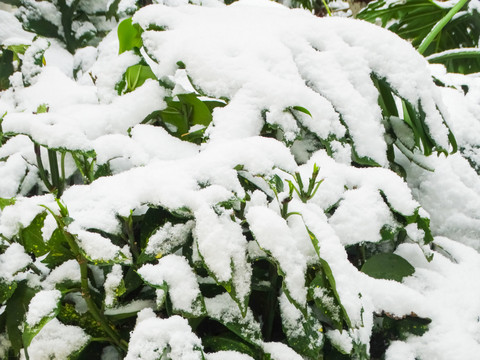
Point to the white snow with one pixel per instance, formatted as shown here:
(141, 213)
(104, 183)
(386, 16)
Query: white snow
(42, 305)
(12, 261)
(56, 341)
(263, 59)
(153, 336)
(175, 272)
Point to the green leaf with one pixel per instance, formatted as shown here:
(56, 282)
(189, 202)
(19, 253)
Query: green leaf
(323, 289)
(129, 36)
(31, 237)
(136, 75)
(201, 114)
(69, 316)
(228, 342)
(6, 202)
(30, 332)
(6, 290)
(6, 68)
(302, 109)
(15, 311)
(387, 266)
(309, 340)
(59, 250)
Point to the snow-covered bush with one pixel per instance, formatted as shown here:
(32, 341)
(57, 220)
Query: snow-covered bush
(236, 182)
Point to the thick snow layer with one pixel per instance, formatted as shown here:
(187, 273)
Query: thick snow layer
(153, 337)
(283, 59)
(56, 341)
(262, 59)
(175, 272)
(43, 305)
(13, 260)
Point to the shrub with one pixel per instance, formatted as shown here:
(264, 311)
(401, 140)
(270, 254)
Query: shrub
(223, 182)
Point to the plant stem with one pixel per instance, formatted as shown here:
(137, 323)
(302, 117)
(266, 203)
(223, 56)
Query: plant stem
(271, 303)
(41, 169)
(440, 25)
(92, 307)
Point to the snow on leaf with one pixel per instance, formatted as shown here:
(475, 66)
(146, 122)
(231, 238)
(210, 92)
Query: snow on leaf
(173, 273)
(153, 338)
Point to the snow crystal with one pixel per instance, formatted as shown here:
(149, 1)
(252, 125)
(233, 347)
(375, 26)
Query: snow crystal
(42, 305)
(57, 341)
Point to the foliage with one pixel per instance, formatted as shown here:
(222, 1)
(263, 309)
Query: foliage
(414, 19)
(163, 289)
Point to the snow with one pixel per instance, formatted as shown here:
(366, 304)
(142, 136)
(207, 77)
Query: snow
(13, 260)
(274, 236)
(153, 337)
(175, 272)
(56, 341)
(264, 61)
(112, 282)
(168, 237)
(222, 246)
(43, 305)
(11, 31)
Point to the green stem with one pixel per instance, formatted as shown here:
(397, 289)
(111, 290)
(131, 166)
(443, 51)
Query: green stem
(271, 303)
(41, 169)
(440, 25)
(92, 307)
(329, 12)
(57, 183)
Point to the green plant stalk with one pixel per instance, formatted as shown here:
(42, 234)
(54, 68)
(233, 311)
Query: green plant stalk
(329, 12)
(92, 307)
(271, 304)
(439, 26)
(57, 183)
(41, 169)
(83, 263)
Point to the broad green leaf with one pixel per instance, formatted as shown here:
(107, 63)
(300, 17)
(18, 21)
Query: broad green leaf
(6, 290)
(29, 332)
(31, 237)
(6, 68)
(136, 75)
(201, 114)
(15, 311)
(129, 36)
(6, 202)
(223, 309)
(59, 250)
(387, 266)
(69, 316)
(385, 99)
(227, 342)
(324, 284)
(304, 333)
